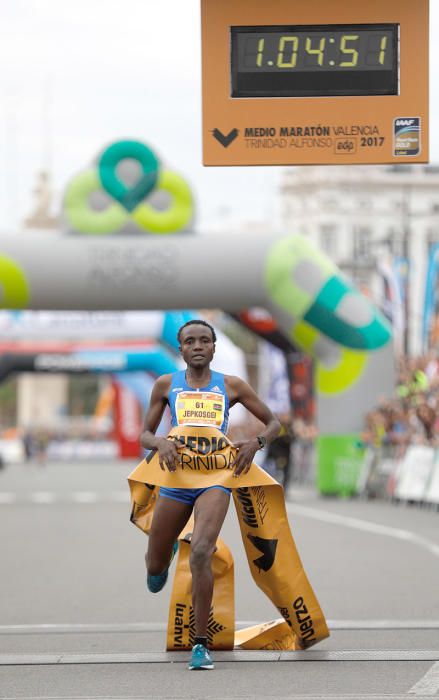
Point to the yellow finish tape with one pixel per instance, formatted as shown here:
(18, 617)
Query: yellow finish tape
(271, 551)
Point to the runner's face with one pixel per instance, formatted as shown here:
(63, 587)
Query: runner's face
(197, 346)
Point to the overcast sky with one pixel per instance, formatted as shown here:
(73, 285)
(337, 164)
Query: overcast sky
(77, 74)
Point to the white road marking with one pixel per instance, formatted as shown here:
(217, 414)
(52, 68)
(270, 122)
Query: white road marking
(429, 684)
(120, 496)
(135, 627)
(43, 497)
(235, 656)
(54, 497)
(365, 526)
(107, 628)
(6, 498)
(383, 624)
(208, 696)
(84, 497)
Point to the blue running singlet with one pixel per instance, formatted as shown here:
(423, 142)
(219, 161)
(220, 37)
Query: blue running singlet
(207, 406)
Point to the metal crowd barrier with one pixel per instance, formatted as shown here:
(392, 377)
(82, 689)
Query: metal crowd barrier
(410, 475)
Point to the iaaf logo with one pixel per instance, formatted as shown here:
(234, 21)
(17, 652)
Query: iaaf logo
(407, 136)
(405, 122)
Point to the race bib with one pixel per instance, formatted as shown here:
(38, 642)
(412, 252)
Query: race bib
(200, 408)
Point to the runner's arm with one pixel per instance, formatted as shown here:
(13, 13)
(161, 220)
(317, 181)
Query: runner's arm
(241, 392)
(167, 451)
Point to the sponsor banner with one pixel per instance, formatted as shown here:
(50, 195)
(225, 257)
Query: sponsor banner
(127, 421)
(273, 379)
(430, 325)
(387, 472)
(432, 490)
(12, 451)
(392, 304)
(206, 458)
(80, 324)
(82, 449)
(104, 361)
(340, 463)
(379, 472)
(152, 359)
(401, 269)
(415, 473)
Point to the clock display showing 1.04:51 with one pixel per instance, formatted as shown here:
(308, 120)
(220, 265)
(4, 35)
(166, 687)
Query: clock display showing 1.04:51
(295, 61)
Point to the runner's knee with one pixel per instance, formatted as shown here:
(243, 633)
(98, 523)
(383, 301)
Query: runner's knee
(155, 565)
(201, 553)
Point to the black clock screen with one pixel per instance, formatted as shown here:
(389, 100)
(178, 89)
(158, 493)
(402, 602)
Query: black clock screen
(300, 61)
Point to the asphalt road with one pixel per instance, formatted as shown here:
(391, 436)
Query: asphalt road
(77, 622)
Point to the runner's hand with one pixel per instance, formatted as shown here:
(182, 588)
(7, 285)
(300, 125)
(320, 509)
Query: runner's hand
(246, 450)
(168, 455)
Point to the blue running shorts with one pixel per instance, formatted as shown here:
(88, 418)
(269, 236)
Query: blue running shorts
(188, 496)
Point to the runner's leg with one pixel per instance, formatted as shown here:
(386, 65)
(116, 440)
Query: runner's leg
(209, 513)
(170, 517)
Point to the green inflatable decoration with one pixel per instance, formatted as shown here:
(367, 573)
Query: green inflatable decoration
(329, 320)
(14, 288)
(128, 205)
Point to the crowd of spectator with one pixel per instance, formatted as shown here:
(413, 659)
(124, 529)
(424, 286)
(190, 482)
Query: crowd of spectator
(412, 416)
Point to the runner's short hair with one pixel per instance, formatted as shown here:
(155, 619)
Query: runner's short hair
(197, 322)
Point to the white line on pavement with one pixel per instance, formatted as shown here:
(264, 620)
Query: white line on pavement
(364, 525)
(120, 496)
(85, 497)
(53, 497)
(208, 696)
(134, 627)
(429, 684)
(235, 656)
(6, 498)
(43, 497)
(383, 624)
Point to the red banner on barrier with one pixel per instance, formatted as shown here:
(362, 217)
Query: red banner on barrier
(127, 422)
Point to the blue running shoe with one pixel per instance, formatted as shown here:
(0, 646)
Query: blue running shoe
(201, 660)
(156, 583)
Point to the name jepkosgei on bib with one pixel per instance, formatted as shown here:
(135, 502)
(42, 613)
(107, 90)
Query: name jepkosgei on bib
(202, 409)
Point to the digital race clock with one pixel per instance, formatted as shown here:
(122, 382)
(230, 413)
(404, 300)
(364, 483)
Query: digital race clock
(295, 61)
(309, 82)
